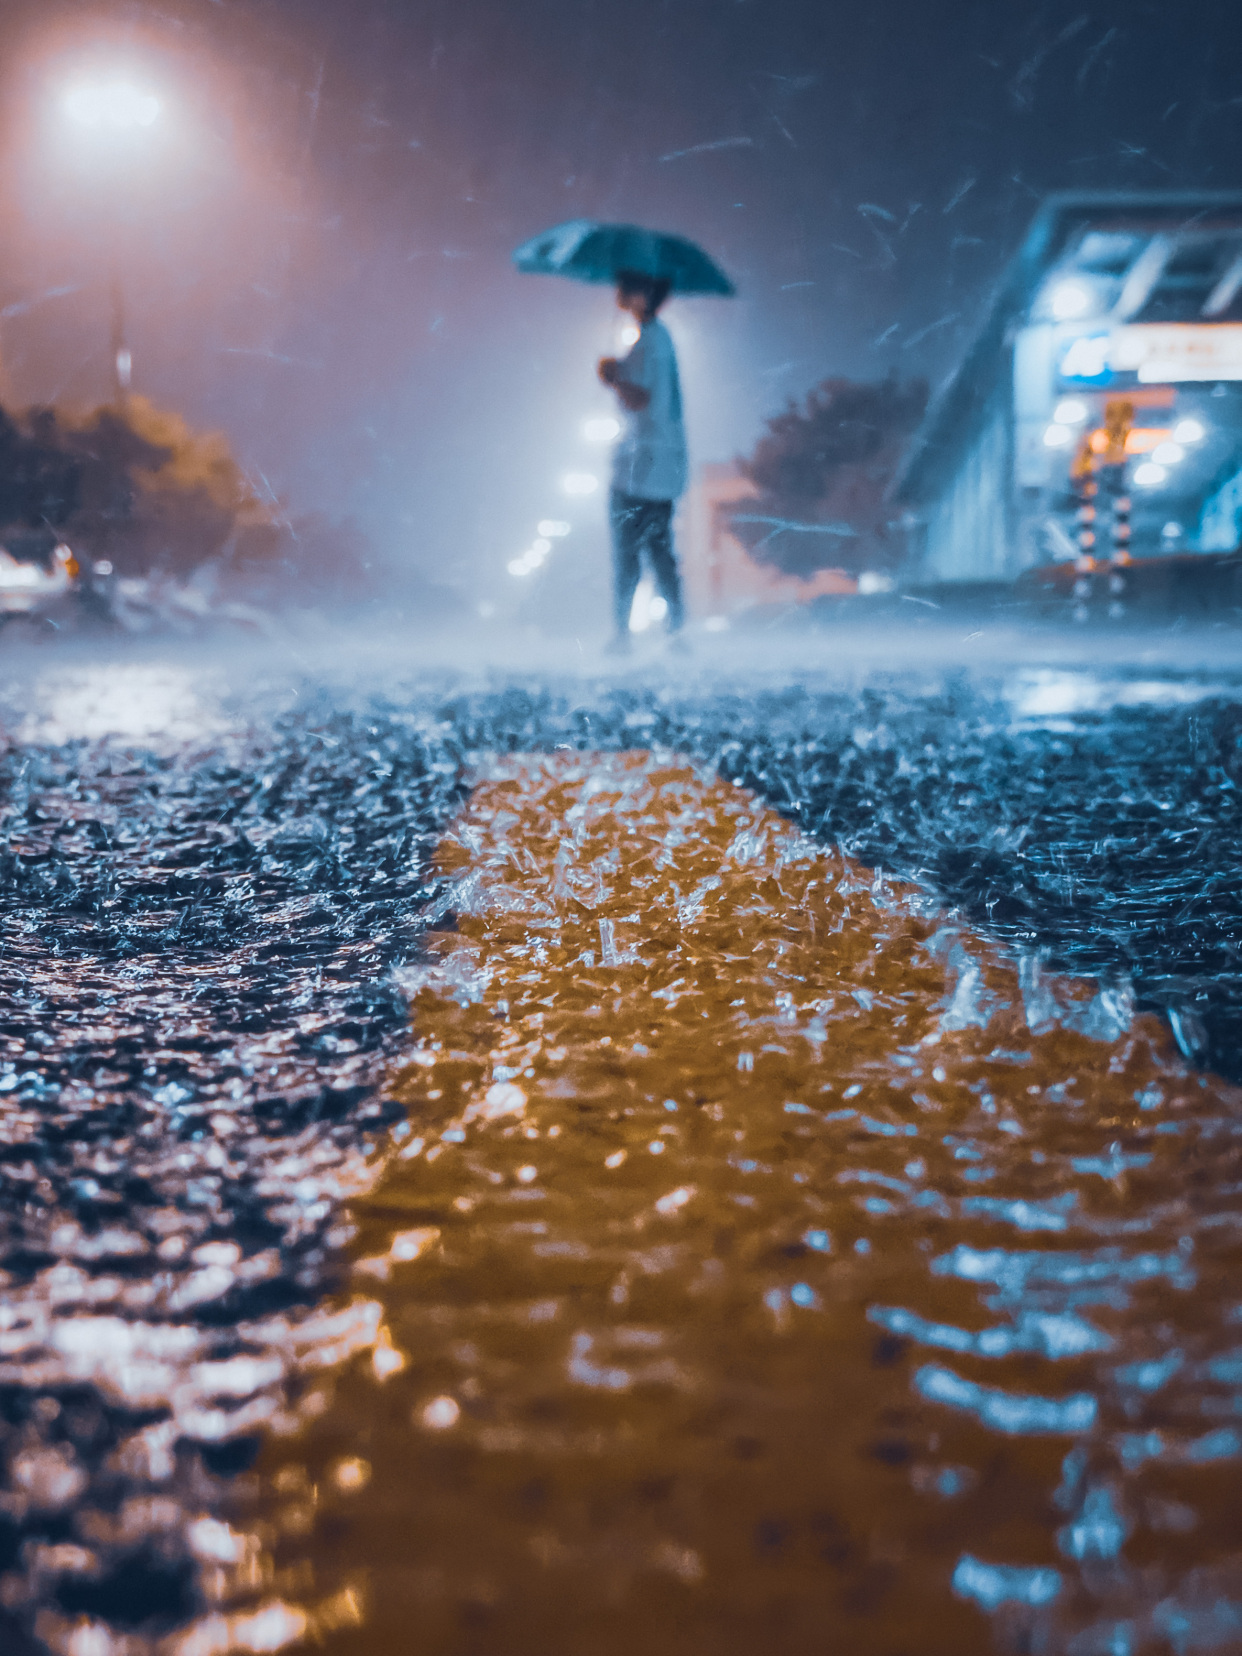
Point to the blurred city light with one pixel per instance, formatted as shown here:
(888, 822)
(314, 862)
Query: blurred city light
(648, 607)
(1070, 299)
(627, 335)
(601, 430)
(1188, 431)
(1071, 411)
(554, 528)
(1168, 454)
(1087, 358)
(579, 483)
(1058, 436)
(113, 106)
(1149, 475)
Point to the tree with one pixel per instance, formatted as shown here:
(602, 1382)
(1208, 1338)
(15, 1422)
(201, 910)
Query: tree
(155, 495)
(821, 471)
(138, 486)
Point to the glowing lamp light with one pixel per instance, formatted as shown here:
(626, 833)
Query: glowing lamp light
(579, 483)
(1168, 454)
(602, 430)
(1071, 299)
(1058, 436)
(113, 106)
(1149, 475)
(1189, 431)
(554, 528)
(1071, 411)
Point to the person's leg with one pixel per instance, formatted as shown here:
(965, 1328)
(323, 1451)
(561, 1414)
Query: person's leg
(659, 543)
(625, 514)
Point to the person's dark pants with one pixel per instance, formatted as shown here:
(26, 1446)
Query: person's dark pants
(642, 528)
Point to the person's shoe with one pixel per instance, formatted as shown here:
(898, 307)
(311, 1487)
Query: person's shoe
(618, 645)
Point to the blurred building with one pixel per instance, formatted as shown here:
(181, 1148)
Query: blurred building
(721, 578)
(1112, 300)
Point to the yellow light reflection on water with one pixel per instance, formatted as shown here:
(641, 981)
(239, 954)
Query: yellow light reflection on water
(758, 1258)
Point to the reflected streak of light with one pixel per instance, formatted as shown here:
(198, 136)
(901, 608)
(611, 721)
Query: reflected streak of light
(157, 702)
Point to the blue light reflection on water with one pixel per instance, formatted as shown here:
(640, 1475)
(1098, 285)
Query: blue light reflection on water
(1042, 1295)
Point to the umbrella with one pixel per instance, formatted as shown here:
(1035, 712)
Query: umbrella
(591, 252)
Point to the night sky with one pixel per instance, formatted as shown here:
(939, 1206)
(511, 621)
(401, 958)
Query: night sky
(318, 260)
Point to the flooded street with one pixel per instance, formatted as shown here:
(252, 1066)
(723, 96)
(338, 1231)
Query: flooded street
(620, 851)
(553, 1165)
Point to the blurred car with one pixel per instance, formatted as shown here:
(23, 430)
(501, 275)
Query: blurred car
(42, 580)
(46, 585)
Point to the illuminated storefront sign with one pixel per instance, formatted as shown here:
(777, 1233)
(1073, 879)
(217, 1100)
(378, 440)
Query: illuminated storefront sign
(1158, 353)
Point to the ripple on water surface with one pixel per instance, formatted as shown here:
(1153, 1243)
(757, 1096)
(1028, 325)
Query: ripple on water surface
(764, 1257)
(761, 1258)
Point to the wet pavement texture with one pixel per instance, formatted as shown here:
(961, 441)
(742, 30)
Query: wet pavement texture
(269, 1372)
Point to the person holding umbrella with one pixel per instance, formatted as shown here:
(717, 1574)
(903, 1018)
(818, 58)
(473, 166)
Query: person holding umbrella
(649, 463)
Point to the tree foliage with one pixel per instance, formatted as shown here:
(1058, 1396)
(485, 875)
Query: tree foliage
(133, 484)
(821, 471)
(138, 486)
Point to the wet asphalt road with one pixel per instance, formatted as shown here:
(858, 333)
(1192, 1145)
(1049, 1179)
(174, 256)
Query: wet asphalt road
(209, 897)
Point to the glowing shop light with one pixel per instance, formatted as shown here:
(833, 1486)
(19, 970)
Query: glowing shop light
(1070, 299)
(1168, 454)
(1189, 431)
(602, 430)
(554, 528)
(1058, 436)
(1149, 475)
(1087, 358)
(1071, 411)
(116, 106)
(579, 483)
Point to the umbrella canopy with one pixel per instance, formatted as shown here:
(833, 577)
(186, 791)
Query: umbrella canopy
(592, 252)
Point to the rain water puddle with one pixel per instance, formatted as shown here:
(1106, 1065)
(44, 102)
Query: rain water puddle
(740, 1250)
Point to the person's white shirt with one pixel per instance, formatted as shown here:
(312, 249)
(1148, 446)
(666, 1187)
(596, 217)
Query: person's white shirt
(649, 461)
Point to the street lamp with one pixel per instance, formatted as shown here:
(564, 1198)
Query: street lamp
(111, 106)
(104, 111)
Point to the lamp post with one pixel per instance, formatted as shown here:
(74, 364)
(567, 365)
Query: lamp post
(110, 114)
